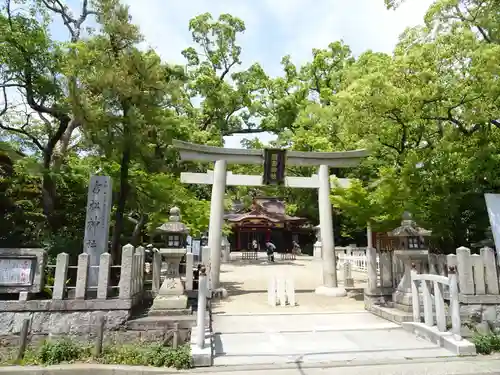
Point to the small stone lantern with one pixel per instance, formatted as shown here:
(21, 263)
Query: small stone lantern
(411, 248)
(171, 298)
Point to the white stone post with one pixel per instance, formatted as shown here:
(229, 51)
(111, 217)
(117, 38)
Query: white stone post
(189, 271)
(202, 305)
(386, 269)
(348, 280)
(61, 273)
(102, 286)
(371, 257)
(330, 285)
(216, 220)
(454, 303)
(126, 270)
(156, 275)
(290, 291)
(82, 273)
(465, 273)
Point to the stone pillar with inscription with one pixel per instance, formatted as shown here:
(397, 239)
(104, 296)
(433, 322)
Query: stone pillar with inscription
(95, 243)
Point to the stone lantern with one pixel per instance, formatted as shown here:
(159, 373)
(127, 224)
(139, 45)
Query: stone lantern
(171, 298)
(411, 248)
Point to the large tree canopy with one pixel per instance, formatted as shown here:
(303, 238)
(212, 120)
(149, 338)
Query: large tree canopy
(97, 101)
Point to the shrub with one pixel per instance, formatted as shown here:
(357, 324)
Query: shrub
(143, 354)
(155, 355)
(487, 343)
(54, 352)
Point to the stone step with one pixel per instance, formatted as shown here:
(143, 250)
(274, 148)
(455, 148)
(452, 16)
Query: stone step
(392, 314)
(161, 322)
(263, 323)
(325, 346)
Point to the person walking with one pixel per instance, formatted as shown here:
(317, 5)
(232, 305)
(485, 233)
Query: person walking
(296, 250)
(270, 249)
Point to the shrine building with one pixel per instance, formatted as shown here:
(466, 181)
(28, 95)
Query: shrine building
(267, 220)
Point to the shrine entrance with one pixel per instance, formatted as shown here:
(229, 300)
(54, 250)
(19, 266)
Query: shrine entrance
(274, 162)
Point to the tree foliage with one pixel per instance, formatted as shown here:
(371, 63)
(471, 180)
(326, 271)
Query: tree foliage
(98, 101)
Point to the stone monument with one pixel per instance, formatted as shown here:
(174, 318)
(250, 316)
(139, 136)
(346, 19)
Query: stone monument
(96, 236)
(171, 299)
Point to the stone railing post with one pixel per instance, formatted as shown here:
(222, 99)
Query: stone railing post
(82, 273)
(156, 273)
(290, 291)
(371, 254)
(385, 269)
(126, 272)
(103, 283)
(142, 258)
(491, 274)
(464, 268)
(189, 271)
(414, 296)
(202, 307)
(348, 280)
(61, 274)
(439, 306)
(427, 299)
(456, 323)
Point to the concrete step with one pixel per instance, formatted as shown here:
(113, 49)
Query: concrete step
(318, 337)
(325, 346)
(313, 322)
(160, 322)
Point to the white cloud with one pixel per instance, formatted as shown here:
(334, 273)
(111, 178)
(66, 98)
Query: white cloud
(279, 27)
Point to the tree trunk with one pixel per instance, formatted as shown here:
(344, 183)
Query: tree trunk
(49, 192)
(139, 226)
(122, 202)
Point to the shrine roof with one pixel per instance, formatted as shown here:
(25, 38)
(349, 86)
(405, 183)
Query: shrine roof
(272, 209)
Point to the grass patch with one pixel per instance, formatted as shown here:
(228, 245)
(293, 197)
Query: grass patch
(140, 354)
(487, 343)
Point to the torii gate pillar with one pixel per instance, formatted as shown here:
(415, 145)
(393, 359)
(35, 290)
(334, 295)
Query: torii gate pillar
(219, 179)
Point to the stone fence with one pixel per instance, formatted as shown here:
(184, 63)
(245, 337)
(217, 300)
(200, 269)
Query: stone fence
(359, 262)
(131, 276)
(478, 289)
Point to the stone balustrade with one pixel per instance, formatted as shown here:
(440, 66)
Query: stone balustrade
(358, 262)
(131, 277)
(432, 288)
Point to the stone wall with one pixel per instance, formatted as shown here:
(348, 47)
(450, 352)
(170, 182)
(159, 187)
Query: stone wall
(481, 316)
(78, 319)
(82, 326)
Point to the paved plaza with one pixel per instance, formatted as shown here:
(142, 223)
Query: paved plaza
(247, 282)
(318, 330)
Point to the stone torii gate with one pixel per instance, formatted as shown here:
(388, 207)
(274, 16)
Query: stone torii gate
(220, 178)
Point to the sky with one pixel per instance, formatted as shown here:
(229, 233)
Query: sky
(275, 28)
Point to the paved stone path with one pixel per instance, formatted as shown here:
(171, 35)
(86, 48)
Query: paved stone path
(319, 330)
(247, 282)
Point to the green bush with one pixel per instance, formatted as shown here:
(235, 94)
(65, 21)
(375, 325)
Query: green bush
(148, 355)
(54, 352)
(487, 343)
(142, 354)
